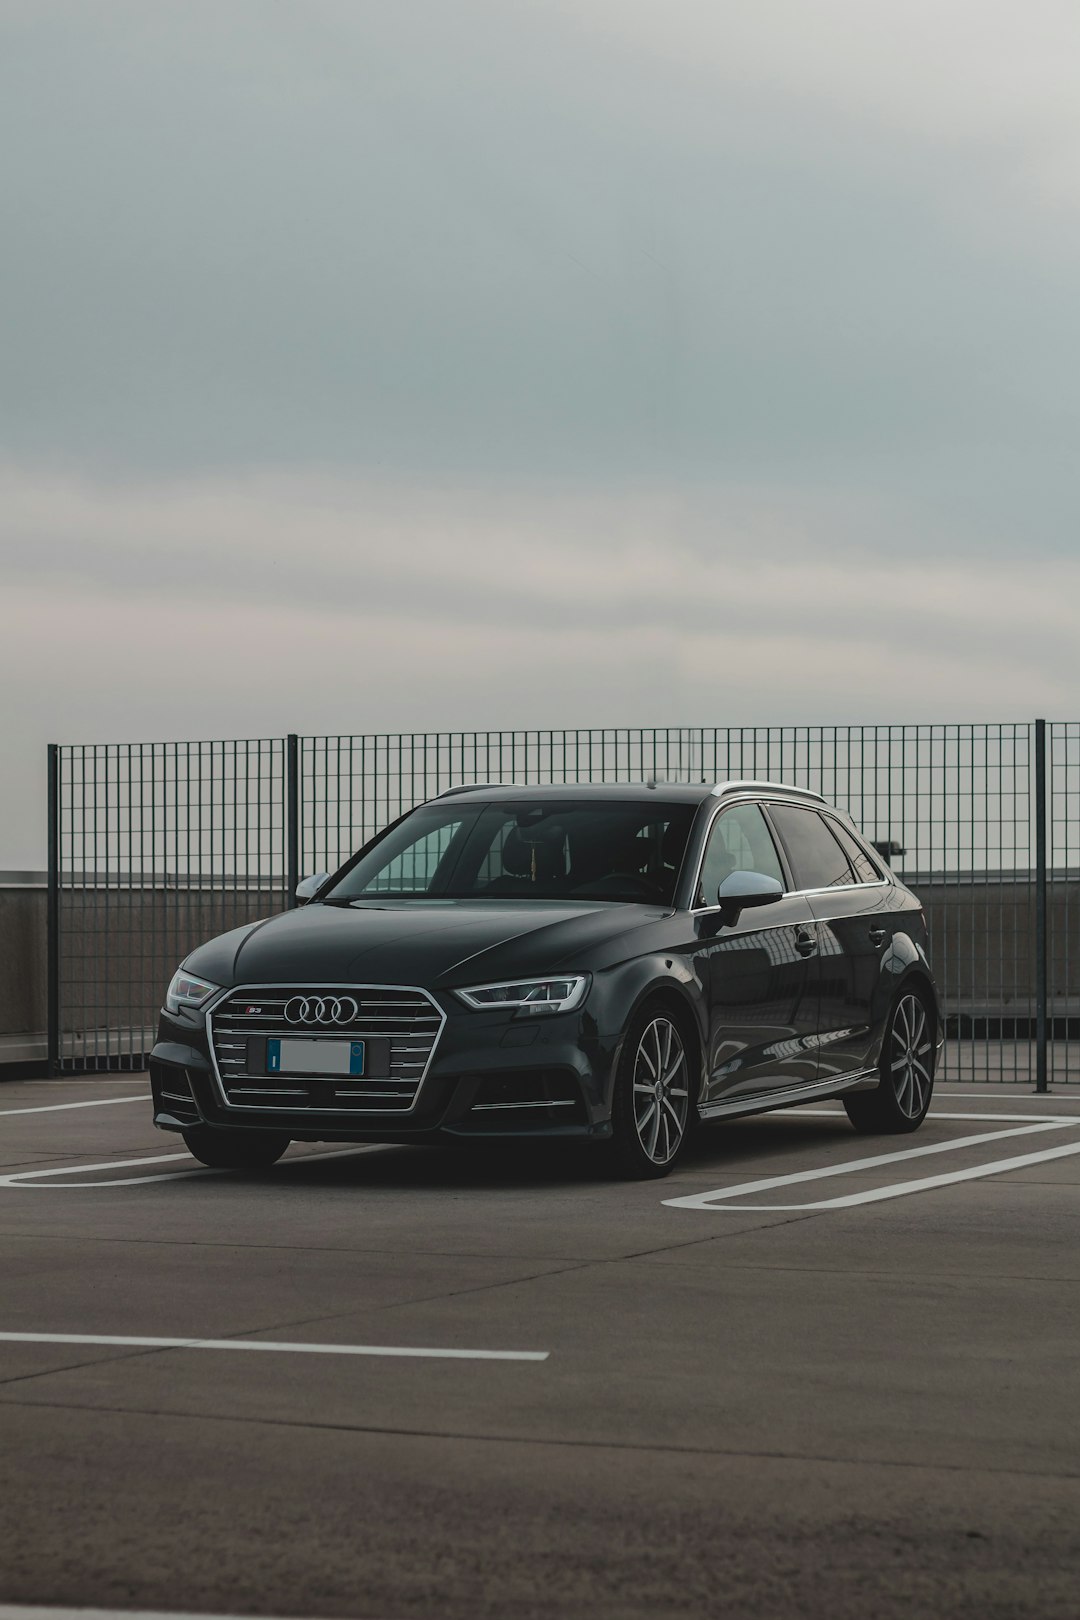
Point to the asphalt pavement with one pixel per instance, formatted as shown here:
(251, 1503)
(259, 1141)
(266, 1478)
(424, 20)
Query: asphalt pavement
(812, 1374)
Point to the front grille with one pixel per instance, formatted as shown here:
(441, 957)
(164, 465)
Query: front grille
(399, 1026)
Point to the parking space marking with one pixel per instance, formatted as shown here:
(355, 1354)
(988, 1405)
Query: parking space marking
(96, 1102)
(1059, 1119)
(139, 1341)
(24, 1179)
(34, 1611)
(936, 1113)
(718, 1198)
(964, 1089)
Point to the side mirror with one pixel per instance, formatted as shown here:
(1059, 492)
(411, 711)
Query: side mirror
(309, 886)
(742, 889)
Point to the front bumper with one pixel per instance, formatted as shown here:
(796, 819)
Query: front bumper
(491, 1075)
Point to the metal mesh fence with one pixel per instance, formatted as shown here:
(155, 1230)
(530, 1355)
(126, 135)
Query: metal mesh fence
(1063, 900)
(954, 797)
(159, 846)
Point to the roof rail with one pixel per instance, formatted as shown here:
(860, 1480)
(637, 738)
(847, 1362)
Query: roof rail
(467, 787)
(768, 787)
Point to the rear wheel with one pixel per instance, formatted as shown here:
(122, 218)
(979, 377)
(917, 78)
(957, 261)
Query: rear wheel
(235, 1150)
(654, 1091)
(903, 1094)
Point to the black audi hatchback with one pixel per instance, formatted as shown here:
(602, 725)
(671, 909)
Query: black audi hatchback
(612, 963)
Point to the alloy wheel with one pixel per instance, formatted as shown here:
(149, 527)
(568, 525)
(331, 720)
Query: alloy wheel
(661, 1090)
(910, 1057)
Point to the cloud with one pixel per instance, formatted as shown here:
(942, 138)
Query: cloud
(258, 605)
(412, 365)
(638, 594)
(523, 242)
(985, 76)
(432, 617)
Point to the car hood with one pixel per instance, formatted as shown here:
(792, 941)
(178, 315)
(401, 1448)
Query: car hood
(430, 944)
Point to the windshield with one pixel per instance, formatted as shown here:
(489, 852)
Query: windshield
(527, 851)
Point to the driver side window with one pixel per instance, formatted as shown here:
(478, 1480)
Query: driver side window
(740, 841)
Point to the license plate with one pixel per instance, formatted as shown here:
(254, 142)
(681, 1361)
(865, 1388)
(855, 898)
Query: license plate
(315, 1057)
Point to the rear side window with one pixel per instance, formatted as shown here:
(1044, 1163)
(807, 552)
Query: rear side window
(816, 858)
(864, 867)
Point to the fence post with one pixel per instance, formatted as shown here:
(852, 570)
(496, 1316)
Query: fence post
(1041, 997)
(292, 814)
(52, 927)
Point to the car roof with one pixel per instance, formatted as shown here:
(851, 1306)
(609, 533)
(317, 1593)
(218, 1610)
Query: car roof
(668, 792)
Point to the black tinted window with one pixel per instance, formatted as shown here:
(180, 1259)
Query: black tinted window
(864, 867)
(527, 851)
(816, 858)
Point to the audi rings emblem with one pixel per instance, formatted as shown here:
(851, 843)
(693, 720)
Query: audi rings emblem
(321, 1010)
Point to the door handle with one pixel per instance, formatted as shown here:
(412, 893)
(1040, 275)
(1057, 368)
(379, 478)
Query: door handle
(805, 941)
(878, 936)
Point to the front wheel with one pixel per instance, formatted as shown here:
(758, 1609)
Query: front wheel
(654, 1089)
(902, 1097)
(235, 1150)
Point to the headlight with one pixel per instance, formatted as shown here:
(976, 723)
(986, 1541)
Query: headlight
(529, 996)
(186, 993)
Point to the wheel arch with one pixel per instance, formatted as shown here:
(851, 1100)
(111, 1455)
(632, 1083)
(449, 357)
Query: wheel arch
(920, 978)
(672, 994)
(917, 977)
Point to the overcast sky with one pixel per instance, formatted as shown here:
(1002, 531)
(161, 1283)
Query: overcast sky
(408, 364)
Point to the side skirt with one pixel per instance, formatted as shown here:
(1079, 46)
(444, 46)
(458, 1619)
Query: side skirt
(762, 1101)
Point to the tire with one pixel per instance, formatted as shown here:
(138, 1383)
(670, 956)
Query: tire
(902, 1098)
(650, 1126)
(235, 1150)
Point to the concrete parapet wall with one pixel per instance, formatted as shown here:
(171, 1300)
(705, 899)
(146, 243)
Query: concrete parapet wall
(23, 975)
(121, 945)
(982, 934)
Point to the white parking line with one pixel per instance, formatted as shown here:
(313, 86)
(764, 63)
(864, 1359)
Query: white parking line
(718, 1199)
(1003, 1091)
(22, 1179)
(838, 1113)
(1057, 1119)
(141, 1342)
(97, 1102)
(27, 1611)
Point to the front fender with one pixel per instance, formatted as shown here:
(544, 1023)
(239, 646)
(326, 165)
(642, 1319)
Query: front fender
(621, 992)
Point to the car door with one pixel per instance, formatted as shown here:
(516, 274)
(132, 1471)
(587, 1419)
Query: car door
(850, 901)
(763, 1027)
(856, 927)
